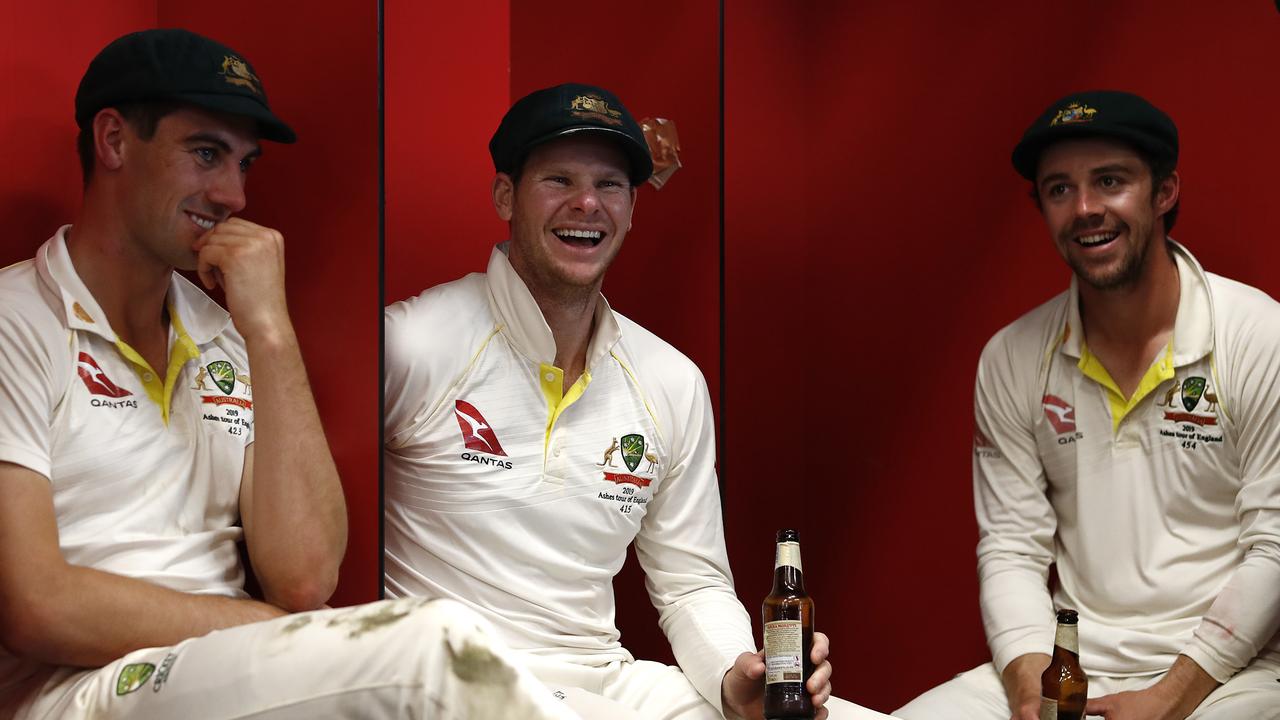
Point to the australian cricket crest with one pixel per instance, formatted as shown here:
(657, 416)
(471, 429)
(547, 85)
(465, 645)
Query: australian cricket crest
(1074, 113)
(631, 490)
(236, 72)
(223, 375)
(632, 451)
(233, 409)
(1197, 427)
(1192, 391)
(133, 676)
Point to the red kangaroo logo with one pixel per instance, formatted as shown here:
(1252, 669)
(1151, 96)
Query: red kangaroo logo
(1061, 415)
(476, 432)
(96, 380)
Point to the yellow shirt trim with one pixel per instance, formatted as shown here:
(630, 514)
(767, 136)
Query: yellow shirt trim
(183, 350)
(552, 380)
(1160, 371)
(644, 398)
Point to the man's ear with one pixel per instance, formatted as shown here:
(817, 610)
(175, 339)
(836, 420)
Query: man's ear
(504, 191)
(108, 138)
(1167, 193)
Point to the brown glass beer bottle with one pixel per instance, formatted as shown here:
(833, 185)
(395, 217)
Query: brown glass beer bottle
(1064, 687)
(788, 635)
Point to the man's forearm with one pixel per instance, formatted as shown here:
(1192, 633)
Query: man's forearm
(1021, 680)
(1232, 632)
(1189, 683)
(292, 504)
(85, 617)
(1174, 697)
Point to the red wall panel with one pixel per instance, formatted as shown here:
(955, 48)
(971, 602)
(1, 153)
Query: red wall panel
(447, 77)
(895, 238)
(42, 56)
(770, 252)
(661, 60)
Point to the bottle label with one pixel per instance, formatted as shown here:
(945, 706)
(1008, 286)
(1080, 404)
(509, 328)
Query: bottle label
(1048, 709)
(788, 554)
(1068, 638)
(783, 651)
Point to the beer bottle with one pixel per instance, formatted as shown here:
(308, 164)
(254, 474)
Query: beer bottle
(1064, 686)
(788, 635)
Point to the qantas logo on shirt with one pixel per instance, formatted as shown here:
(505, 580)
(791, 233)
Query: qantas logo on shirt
(982, 445)
(980, 440)
(96, 380)
(476, 433)
(1060, 414)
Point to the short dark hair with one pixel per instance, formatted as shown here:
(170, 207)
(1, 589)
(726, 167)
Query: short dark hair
(1161, 169)
(143, 116)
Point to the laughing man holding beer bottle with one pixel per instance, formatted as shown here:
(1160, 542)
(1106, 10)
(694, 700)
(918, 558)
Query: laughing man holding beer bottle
(1127, 430)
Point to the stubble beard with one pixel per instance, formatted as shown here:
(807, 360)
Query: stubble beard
(1130, 269)
(161, 244)
(176, 250)
(1109, 279)
(549, 283)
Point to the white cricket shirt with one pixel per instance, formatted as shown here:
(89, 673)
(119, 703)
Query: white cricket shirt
(145, 470)
(520, 500)
(1161, 510)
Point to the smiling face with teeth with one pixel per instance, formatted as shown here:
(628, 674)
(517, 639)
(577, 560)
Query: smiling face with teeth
(186, 178)
(1097, 198)
(569, 213)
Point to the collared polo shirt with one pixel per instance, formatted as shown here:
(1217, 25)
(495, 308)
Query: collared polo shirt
(519, 496)
(144, 464)
(1161, 510)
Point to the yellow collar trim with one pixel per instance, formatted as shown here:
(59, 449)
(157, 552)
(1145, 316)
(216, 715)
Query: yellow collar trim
(183, 350)
(1160, 371)
(551, 378)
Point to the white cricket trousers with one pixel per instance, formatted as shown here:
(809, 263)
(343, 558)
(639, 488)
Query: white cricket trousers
(1253, 694)
(408, 658)
(644, 690)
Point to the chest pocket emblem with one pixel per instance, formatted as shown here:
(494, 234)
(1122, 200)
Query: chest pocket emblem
(633, 451)
(223, 375)
(1192, 391)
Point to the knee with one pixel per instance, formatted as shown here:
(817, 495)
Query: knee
(411, 622)
(1259, 704)
(973, 695)
(447, 618)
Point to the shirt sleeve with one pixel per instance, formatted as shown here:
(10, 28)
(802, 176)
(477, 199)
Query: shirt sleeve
(682, 551)
(428, 343)
(1016, 522)
(1245, 615)
(409, 366)
(29, 391)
